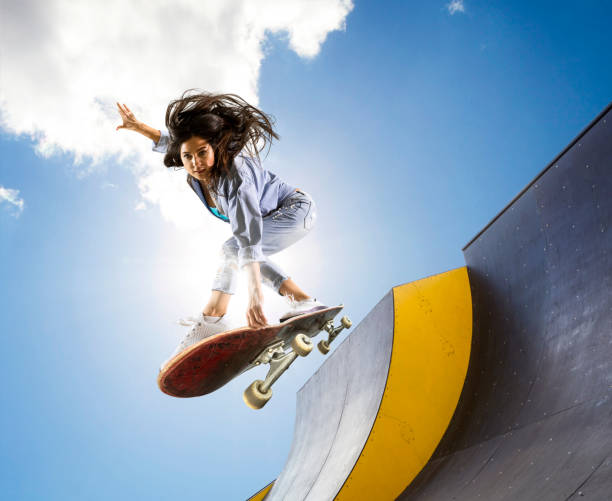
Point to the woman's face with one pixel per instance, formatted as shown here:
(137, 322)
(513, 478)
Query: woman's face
(198, 157)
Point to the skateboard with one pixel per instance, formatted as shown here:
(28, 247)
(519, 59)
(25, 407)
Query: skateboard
(211, 363)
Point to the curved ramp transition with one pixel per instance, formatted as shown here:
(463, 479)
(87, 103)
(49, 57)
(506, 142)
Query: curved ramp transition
(370, 418)
(534, 419)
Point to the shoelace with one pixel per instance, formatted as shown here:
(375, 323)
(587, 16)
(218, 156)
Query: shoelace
(188, 321)
(295, 305)
(192, 323)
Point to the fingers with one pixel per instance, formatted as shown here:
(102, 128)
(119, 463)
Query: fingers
(126, 115)
(256, 321)
(122, 115)
(124, 111)
(256, 318)
(251, 320)
(255, 315)
(261, 318)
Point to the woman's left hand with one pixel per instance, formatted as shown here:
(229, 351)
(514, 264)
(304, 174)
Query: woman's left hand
(255, 315)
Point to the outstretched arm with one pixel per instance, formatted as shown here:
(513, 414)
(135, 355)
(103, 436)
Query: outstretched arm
(130, 122)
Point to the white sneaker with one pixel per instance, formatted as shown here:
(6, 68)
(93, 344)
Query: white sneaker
(200, 327)
(297, 308)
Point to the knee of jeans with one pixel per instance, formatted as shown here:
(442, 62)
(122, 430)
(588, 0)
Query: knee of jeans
(229, 254)
(311, 217)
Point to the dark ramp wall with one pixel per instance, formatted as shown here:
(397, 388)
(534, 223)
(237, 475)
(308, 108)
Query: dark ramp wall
(535, 417)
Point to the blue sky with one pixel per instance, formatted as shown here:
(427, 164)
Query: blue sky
(411, 128)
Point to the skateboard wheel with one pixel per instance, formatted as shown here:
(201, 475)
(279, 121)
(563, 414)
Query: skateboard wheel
(301, 344)
(346, 322)
(254, 397)
(323, 347)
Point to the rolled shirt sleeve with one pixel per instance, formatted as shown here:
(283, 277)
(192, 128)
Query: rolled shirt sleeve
(162, 145)
(245, 218)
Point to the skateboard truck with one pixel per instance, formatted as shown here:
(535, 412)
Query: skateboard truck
(333, 332)
(259, 392)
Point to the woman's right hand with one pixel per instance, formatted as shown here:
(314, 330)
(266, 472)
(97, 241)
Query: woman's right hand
(130, 122)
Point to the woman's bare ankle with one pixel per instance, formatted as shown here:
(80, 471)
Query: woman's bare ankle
(210, 312)
(217, 304)
(291, 290)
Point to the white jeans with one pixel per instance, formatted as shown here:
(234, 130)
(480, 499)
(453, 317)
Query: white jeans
(281, 228)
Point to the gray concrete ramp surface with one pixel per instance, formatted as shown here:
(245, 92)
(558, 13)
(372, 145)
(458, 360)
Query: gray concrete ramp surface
(374, 412)
(492, 381)
(535, 417)
(336, 409)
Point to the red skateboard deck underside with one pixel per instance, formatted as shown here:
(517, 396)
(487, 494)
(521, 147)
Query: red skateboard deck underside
(214, 361)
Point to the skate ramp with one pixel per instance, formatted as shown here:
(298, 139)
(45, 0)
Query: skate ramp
(376, 409)
(535, 417)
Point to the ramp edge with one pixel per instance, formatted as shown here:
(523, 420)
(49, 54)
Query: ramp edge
(429, 360)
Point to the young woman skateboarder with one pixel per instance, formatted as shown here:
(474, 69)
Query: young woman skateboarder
(217, 138)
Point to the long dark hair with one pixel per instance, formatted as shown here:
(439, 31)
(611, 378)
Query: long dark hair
(226, 121)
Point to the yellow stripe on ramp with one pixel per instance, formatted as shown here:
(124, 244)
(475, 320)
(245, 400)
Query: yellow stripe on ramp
(262, 493)
(431, 350)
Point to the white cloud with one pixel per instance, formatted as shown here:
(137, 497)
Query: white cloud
(455, 6)
(63, 64)
(11, 197)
